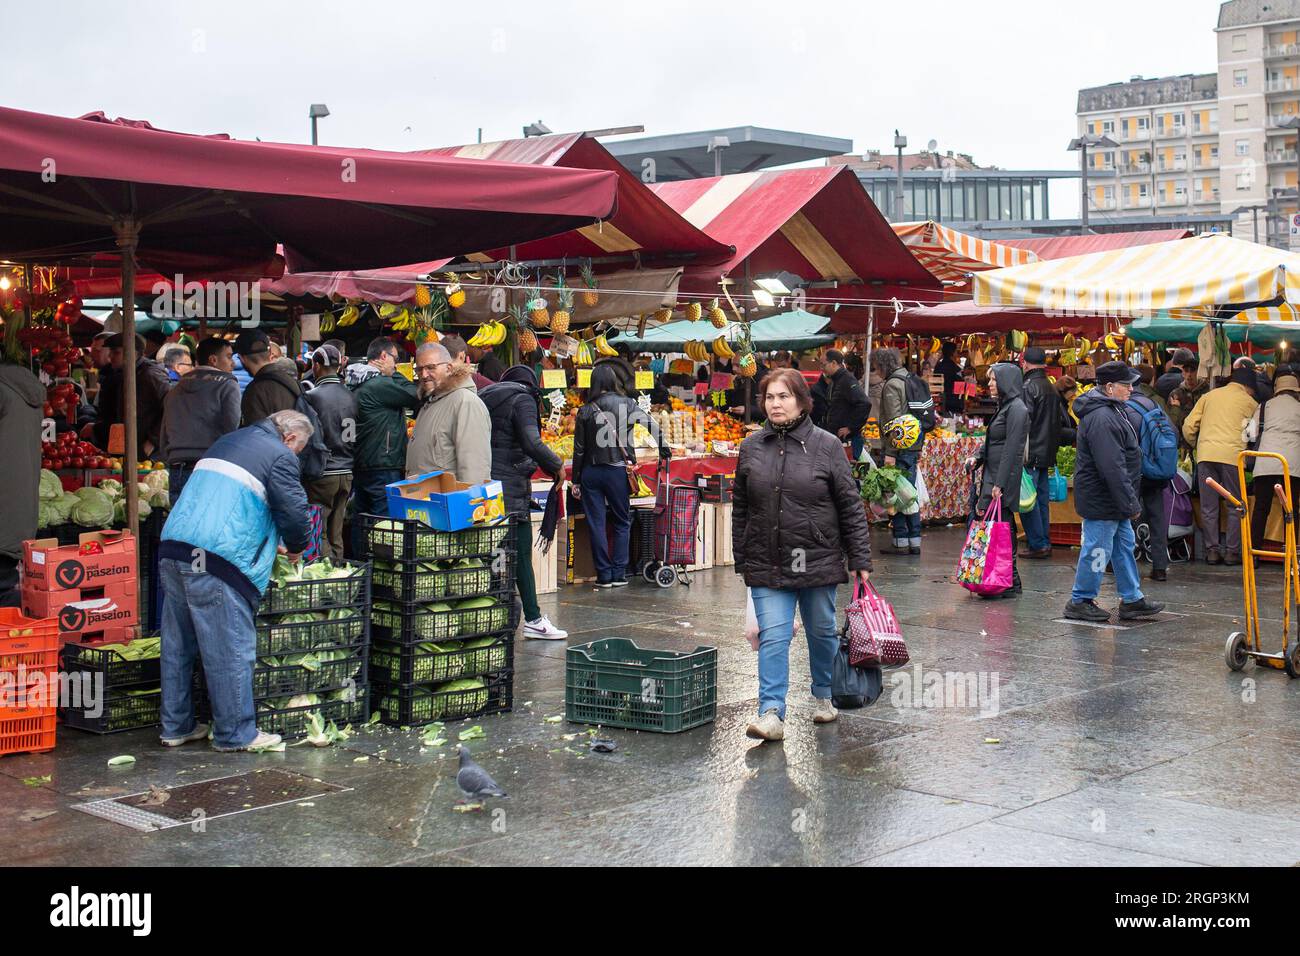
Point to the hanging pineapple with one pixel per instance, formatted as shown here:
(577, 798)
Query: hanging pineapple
(560, 321)
(455, 294)
(423, 295)
(538, 311)
(663, 315)
(748, 367)
(693, 311)
(589, 295)
(716, 316)
(527, 338)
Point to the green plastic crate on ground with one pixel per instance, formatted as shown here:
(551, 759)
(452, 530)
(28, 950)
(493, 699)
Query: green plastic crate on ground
(127, 710)
(391, 539)
(291, 722)
(615, 683)
(427, 663)
(413, 705)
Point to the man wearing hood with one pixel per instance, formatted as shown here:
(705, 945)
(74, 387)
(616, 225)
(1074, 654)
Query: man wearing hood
(1107, 474)
(22, 398)
(383, 396)
(1003, 454)
(1214, 429)
(1048, 426)
(893, 407)
(514, 405)
(336, 409)
(200, 408)
(274, 387)
(453, 432)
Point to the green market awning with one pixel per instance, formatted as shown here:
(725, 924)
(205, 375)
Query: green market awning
(794, 331)
(1165, 329)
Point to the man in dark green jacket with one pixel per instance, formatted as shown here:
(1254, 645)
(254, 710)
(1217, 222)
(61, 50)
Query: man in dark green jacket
(383, 398)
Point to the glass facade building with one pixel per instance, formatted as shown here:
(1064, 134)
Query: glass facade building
(963, 196)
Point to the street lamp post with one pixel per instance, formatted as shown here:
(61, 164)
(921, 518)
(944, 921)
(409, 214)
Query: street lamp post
(317, 111)
(1080, 146)
(900, 144)
(1293, 122)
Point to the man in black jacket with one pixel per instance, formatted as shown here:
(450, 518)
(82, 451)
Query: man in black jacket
(1107, 473)
(847, 407)
(953, 404)
(1048, 422)
(336, 407)
(274, 387)
(203, 406)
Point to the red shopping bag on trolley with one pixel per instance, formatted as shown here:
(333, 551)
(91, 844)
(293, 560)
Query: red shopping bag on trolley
(875, 637)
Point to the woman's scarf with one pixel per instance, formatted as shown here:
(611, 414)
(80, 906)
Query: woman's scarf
(788, 426)
(552, 515)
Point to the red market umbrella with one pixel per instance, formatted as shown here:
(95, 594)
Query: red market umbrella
(70, 188)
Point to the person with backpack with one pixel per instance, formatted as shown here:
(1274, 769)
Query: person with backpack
(1158, 446)
(1277, 423)
(1049, 425)
(1214, 428)
(901, 443)
(336, 410)
(847, 407)
(1107, 473)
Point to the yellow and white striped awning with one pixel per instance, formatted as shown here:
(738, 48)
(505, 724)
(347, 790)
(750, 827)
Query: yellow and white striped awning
(951, 255)
(1199, 272)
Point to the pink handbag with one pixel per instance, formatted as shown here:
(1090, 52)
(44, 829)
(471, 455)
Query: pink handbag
(875, 639)
(985, 566)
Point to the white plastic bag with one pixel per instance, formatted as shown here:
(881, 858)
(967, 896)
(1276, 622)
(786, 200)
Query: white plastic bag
(922, 495)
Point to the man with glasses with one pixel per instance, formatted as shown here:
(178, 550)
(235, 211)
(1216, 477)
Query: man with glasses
(199, 409)
(176, 361)
(1107, 473)
(383, 398)
(453, 432)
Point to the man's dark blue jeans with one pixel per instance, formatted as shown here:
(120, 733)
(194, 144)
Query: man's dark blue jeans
(369, 497)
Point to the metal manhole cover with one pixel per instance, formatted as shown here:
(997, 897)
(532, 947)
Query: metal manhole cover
(1116, 624)
(221, 797)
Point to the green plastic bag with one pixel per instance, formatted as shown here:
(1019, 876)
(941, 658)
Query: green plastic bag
(1028, 492)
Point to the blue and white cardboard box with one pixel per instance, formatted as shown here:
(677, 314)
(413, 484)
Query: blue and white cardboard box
(445, 504)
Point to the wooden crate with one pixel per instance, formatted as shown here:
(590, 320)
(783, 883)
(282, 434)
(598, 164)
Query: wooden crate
(722, 555)
(545, 566)
(705, 536)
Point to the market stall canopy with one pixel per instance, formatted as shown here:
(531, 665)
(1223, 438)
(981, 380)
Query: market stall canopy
(1063, 247)
(795, 331)
(1203, 271)
(644, 227)
(952, 256)
(819, 224)
(962, 318)
(67, 181)
(1267, 328)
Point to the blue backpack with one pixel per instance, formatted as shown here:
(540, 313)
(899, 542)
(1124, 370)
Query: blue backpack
(1158, 441)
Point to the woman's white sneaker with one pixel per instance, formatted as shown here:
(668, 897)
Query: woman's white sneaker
(543, 630)
(825, 712)
(768, 727)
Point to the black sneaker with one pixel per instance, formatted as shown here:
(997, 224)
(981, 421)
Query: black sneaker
(1086, 611)
(1159, 575)
(914, 549)
(897, 549)
(1133, 610)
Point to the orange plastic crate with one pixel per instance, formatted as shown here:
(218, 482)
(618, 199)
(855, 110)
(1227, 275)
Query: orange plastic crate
(27, 730)
(36, 653)
(12, 620)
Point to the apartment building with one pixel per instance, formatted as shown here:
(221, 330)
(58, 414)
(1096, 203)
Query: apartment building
(1259, 99)
(1166, 158)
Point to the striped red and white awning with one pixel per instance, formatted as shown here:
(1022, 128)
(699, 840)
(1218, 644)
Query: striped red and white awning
(952, 256)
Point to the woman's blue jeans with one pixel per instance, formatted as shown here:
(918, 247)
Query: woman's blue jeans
(774, 609)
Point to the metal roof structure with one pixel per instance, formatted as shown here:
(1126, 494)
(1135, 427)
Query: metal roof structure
(679, 156)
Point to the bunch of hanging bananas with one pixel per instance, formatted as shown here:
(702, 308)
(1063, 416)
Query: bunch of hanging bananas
(1017, 341)
(697, 350)
(602, 346)
(584, 357)
(721, 349)
(489, 335)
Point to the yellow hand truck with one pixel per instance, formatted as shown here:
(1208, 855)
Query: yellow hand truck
(1243, 646)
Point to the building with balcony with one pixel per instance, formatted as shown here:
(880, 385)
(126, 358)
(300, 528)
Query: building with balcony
(1259, 102)
(1166, 158)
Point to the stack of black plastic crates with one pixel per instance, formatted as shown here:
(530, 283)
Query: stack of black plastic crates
(442, 622)
(313, 641)
(126, 694)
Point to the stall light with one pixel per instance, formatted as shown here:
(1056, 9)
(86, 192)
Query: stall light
(5, 284)
(1282, 343)
(773, 286)
(764, 298)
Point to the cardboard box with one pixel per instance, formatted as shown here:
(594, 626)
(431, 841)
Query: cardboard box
(705, 529)
(545, 572)
(48, 567)
(722, 553)
(716, 488)
(444, 503)
(86, 613)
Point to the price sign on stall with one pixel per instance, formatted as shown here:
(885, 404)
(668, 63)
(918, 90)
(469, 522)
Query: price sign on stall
(554, 378)
(645, 381)
(584, 378)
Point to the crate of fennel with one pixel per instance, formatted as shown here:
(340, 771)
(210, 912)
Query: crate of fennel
(309, 672)
(459, 699)
(302, 631)
(291, 717)
(119, 665)
(126, 709)
(318, 586)
(430, 662)
(394, 539)
(447, 580)
(409, 623)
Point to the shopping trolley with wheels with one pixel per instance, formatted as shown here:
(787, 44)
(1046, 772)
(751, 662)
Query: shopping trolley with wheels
(677, 512)
(1243, 646)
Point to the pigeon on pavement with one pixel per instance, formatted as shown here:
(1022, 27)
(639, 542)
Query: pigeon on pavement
(473, 780)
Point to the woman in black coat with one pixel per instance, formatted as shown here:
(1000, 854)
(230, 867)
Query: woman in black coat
(514, 405)
(796, 518)
(1003, 454)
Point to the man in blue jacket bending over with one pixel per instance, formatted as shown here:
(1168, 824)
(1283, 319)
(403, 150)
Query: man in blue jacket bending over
(215, 559)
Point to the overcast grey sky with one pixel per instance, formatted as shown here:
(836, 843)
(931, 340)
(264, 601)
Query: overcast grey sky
(996, 79)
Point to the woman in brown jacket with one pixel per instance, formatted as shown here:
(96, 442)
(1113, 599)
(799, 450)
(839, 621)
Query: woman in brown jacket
(796, 517)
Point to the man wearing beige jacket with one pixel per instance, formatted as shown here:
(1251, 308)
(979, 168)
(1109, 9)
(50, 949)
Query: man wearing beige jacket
(1214, 429)
(453, 431)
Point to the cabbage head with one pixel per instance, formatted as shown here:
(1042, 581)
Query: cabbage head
(50, 486)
